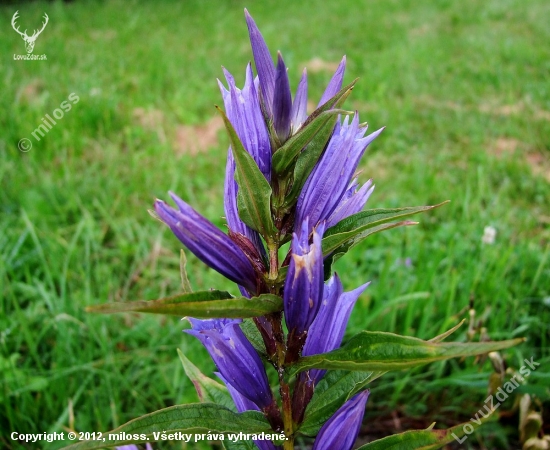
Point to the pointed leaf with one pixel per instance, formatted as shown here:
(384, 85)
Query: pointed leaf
(193, 418)
(352, 230)
(331, 393)
(429, 439)
(373, 217)
(285, 156)
(254, 197)
(208, 390)
(200, 304)
(379, 351)
(337, 387)
(340, 243)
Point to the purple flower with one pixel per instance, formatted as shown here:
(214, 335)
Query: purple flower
(282, 101)
(328, 328)
(303, 291)
(287, 116)
(352, 202)
(341, 430)
(244, 112)
(264, 63)
(235, 357)
(335, 84)
(207, 242)
(326, 193)
(299, 106)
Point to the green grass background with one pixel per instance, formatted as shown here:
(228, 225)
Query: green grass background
(463, 89)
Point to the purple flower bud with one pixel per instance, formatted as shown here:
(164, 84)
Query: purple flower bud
(341, 430)
(264, 63)
(328, 328)
(299, 107)
(335, 84)
(329, 181)
(303, 290)
(235, 357)
(207, 242)
(282, 101)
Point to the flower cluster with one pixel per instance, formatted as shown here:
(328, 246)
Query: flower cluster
(309, 165)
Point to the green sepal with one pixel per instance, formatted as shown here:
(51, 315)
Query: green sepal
(254, 196)
(191, 419)
(200, 304)
(379, 351)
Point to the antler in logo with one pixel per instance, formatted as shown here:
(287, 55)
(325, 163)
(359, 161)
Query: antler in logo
(29, 40)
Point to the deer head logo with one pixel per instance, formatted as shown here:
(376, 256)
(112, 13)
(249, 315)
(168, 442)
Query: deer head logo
(29, 40)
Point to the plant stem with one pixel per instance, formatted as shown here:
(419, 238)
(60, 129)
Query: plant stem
(287, 413)
(273, 248)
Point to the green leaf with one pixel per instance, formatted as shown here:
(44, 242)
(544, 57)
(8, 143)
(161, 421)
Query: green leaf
(254, 196)
(200, 304)
(350, 231)
(373, 217)
(252, 333)
(190, 419)
(379, 351)
(335, 388)
(340, 243)
(310, 155)
(239, 445)
(429, 439)
(286, 155)
(208, 390)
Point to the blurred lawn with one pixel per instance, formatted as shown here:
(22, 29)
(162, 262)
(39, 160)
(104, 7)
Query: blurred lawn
(463, 89)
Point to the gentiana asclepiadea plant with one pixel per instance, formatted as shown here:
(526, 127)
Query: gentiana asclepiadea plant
(290, 177)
